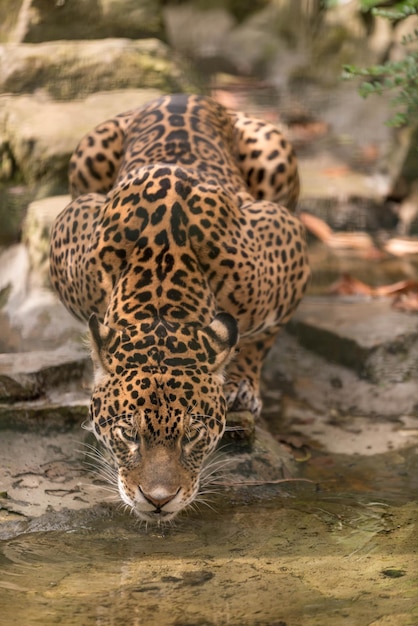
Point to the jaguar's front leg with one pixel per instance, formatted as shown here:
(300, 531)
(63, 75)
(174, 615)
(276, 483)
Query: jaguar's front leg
(242, 379)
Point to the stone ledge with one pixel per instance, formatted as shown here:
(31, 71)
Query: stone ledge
(36, 21)
(36, 231)
(73, 69)
(45, 414)
(366, 335)
(26, 375)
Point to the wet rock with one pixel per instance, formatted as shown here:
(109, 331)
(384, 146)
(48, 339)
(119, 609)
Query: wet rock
(78, 68)
(260, 461)
(366, 335)
(53, 462)
(37, 225)
(59, 476)
(240, 429)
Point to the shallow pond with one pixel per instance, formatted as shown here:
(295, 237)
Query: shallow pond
(294, 554)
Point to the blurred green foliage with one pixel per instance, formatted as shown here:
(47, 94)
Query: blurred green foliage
(391, 10)
(399, 78)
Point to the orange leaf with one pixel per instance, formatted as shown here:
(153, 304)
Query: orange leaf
(398, 246)
(316, 226)
(401, 287)
(348, 286)
(336, 172)
(353, 241)
(344, 241)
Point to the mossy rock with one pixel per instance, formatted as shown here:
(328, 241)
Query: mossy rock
(68, 70)
(42, 20)
(42, 133)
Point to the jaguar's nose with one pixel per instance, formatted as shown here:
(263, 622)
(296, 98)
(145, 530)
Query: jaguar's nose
(158, 497)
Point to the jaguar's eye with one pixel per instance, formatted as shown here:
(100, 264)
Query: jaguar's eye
(194, 432)
(129, 435)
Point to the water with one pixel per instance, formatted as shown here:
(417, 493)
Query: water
(288, 554)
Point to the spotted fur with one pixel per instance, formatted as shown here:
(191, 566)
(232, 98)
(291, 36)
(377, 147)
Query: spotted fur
(180, 251)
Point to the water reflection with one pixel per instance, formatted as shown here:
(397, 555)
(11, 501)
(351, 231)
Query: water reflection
(306, 558)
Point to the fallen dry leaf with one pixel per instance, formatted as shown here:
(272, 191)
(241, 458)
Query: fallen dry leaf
(346, 285)
(308, 131)
(369, 153)
(336, 172)
(316, 226)
(401, 287)
(340, 241)
(398, 246)
(406, 291)
(352, 241)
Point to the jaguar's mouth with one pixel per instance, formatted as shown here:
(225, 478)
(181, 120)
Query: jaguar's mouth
(155, 517)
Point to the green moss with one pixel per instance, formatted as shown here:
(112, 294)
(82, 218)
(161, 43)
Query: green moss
(9, 11)
(71, 74)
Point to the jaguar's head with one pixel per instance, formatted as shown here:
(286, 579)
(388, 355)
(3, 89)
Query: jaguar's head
(158, 407)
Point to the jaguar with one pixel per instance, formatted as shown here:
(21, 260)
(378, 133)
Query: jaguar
(181, 250)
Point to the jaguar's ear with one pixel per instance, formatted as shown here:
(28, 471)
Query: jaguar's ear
(104, 340)
(219, 340)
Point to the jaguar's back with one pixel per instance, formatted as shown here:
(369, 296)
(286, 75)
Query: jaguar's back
(241, 153)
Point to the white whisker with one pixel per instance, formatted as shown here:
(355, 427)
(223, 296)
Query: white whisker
(101, 469)
(191, 407)
(205, 503)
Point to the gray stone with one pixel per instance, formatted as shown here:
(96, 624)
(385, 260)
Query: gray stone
(366, 335)
(43, 414)
(36, 229)
(198, 34)
(306, 386)
(31, 316)
(28, 375)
